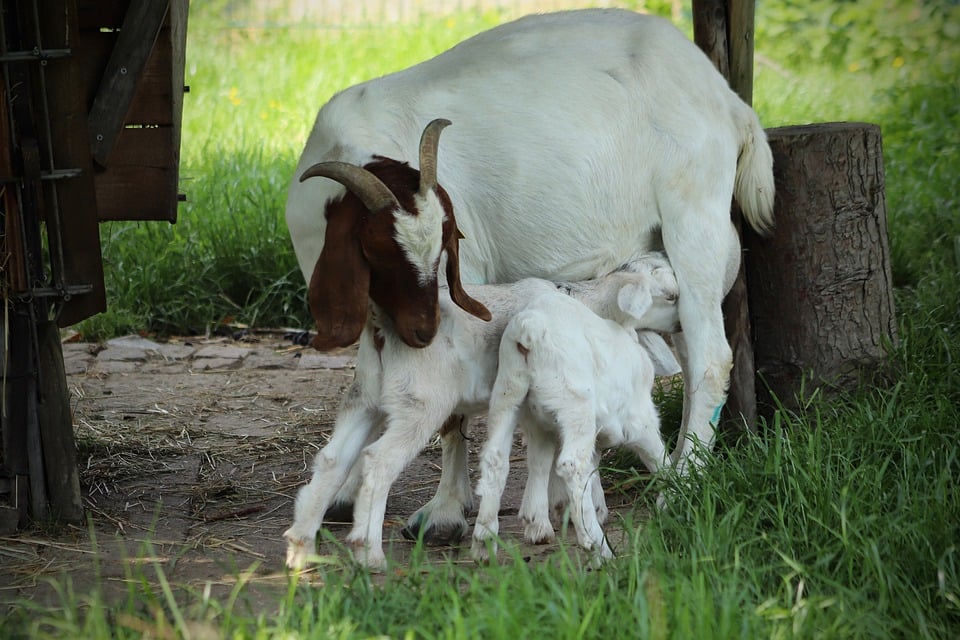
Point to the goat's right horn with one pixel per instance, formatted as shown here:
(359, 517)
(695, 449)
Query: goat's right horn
(369, 188)
(429, 144)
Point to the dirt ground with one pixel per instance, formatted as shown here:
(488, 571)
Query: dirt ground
(190, 454)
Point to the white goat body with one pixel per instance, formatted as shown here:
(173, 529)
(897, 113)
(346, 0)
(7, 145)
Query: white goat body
(581, 140)
(410, 393)
(577, 379)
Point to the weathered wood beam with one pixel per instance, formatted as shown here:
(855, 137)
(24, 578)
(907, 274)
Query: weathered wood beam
(139, 32)
(71, 204)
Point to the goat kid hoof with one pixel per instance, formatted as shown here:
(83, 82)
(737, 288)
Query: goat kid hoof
(298, 550)
(375, 563)
(444, 535)
(538, 534)
(483, 551)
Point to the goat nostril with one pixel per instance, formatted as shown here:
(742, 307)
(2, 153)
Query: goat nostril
(424, 336)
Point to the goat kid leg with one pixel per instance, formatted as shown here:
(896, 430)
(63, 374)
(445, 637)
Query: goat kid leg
(559, 499)
(540, 492)
(442, 521)
(494, 469)
(331, 467)
(596, 488)
(383, 462)
(575, 467)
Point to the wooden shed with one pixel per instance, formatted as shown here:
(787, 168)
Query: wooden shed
(92, 99)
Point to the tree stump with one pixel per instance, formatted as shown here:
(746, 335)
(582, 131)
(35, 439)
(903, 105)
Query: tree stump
(820, 288)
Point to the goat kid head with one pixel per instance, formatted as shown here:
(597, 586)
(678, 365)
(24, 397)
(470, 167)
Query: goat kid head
(383, 242)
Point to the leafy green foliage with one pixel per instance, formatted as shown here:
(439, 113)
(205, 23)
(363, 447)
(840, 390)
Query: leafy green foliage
(869, 35)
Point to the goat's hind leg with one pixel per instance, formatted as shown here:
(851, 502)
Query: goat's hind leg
(442, 521)
(494, 469)
(575, 466)
(540, 492)
(355, 425)
(700, 254)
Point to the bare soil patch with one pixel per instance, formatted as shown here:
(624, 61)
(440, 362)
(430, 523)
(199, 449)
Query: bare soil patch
(190, 455)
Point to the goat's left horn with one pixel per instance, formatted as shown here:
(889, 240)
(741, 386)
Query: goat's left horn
(372, 192)
(429, 143)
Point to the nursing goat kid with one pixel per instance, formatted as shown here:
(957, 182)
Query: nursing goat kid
(410, 392)
(583, 139)
(578, 380)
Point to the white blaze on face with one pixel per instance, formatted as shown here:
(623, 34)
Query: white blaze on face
(421, 236)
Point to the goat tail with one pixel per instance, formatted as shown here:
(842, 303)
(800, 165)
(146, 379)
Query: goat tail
(754, 186)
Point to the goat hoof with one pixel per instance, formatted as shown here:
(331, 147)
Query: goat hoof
(435, 535)
(339, 513)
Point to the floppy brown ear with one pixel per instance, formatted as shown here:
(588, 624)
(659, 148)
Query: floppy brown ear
(339, 286)
(457, 293)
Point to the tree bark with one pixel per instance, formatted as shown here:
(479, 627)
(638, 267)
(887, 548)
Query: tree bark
(823, 311)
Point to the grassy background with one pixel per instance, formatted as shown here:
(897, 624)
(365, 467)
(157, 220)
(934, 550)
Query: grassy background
(841, 520)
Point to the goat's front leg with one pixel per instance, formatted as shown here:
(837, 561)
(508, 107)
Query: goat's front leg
(442, 520)
(355, 425)
(383, 461)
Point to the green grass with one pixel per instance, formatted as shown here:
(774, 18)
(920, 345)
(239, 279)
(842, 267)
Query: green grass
(841, 520)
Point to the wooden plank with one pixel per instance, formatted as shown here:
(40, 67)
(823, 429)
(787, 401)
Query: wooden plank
(150, 147)
(139, 32)
(56, 428)
(102, 14)
(80, 232)
(153, 100)
(178, 14)
(741, 36)
(153, 103)
(141, 182)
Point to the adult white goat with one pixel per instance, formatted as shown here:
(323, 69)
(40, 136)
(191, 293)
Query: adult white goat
(578, 380)
(410, 392)
(583, 139)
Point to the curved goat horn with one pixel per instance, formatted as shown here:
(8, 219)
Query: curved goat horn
(429, 142)
(372, 192)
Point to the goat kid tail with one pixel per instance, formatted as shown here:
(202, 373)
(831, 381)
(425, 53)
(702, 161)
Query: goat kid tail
(754, 186)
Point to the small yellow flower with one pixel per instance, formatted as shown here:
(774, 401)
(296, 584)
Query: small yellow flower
(898, 62)
(854, 66)
(234, 97)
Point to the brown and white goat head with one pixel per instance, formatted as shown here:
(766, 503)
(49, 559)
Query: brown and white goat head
(383, 242)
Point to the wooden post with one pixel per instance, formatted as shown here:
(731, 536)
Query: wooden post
(724, 30)
(824, 276)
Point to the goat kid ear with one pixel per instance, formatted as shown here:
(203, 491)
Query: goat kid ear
(339, 286)
(457, 293)
(634, 300)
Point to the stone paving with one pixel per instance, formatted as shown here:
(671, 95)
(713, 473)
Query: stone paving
(137, 354)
